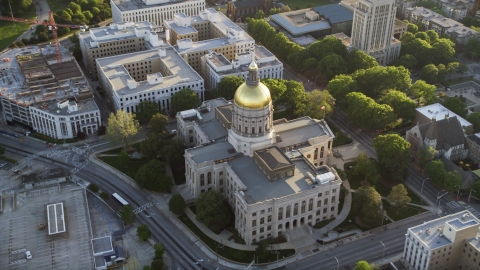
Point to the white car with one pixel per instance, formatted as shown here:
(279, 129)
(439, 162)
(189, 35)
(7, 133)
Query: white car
(28, 255)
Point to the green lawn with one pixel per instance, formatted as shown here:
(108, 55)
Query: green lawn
(227, 252)
(322, 223)
(403, 214)
(457, 81)
(9, 32)
(56, 5)
(287, 114)
(130, 171)
(299, 4)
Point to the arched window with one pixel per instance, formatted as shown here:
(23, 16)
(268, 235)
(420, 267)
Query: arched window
(202, 179)
(321, 152)
(287, 214)
(209, 178)
(280, 213)
(295, 209)
(303, 207)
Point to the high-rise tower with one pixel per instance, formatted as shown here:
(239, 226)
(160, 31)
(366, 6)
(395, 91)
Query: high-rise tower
(372, 31)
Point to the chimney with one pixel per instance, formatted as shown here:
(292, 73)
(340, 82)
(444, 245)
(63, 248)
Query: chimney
(447, 115)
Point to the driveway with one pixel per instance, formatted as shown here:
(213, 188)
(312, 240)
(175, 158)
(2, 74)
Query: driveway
(42, 9)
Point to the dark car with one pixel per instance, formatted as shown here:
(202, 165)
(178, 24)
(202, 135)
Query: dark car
(320, 241)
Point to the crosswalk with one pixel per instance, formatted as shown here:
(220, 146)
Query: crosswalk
(452, 205)
(473, 211)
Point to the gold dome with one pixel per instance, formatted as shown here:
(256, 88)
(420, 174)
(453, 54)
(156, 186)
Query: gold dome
(252, 97)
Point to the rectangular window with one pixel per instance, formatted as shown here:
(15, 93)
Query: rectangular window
(262, 220)
(254, 223)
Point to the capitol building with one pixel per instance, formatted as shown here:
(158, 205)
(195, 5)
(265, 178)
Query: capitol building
(274, 174)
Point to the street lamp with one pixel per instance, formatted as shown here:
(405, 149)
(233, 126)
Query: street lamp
(458, 193)
(338, 263)
(421, 190)
(437, 203)
(470, 194)
(383, 255)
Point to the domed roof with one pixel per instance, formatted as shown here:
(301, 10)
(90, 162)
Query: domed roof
(252, 97)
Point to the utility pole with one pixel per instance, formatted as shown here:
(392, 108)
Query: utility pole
(14, 25)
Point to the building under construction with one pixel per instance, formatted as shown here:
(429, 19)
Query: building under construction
(42, 96)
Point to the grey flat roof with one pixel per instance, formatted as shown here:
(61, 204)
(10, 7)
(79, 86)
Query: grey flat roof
(180, 29)
(52, 108)
(274, 158)
(102, 244)
(56, 219)
(260, 188)
(335, 13)
(300, 130)
(216, 151)
(182, 72)
(438, 111)
(435, 238)
(130, 5)
(291, 27)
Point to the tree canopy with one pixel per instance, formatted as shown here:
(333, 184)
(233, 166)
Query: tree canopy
(440, 177)
(473, 118)
(332, 65)
(177, 204)
(366, 168)
(212, 211)
(315, 101)
(277, 89)
(122, 127)
(143, 232)
(357, 59)
(398, 196)
(146, 110)
(340, 86)
(227, 86)
(456, 105)
(424, 92)
(429, 73)
(185, 99)
(366, 113)
(393, 154)
(367, 202)
(402, 105)
(127, 215)
(152, 176)
(373, 81)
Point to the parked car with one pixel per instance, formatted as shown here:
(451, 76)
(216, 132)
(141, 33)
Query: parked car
(320, 241)
(3, 164)
(28, 255)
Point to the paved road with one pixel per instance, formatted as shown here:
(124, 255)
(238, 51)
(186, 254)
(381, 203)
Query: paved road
(183, 251)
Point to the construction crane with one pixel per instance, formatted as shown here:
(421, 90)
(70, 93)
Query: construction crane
(51, 25)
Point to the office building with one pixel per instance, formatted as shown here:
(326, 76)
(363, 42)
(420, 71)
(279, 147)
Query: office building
(372, 31)
(455, 9)
(42, 96)
(118, 38)
(154, 11)
(274, 174)
(238, 11)
(216, 66)
(444, 243)
(154, 75)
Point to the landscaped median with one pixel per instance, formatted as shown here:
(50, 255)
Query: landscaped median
(232, 254)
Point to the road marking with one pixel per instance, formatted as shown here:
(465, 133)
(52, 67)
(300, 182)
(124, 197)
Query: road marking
(453, 205)
(472, 210)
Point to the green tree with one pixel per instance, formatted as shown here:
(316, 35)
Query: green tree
(374, 81)
(402, 105)
(260, 14)
(462, 69)
(315, 101)
(432, 35)
(366, 113)
(367, 202)
(88, 15)
(261, 250)
(2, 150)
(147, 267)
(211, 210)
(146, 110)
(393, 154)
(340, 86)
(227, 86)
(412, 28)
(158, 124)
(363, 265)
(436, 172)
(152, 176)
(157, 137)
(456, 105)
(429, 73)
(75, 8)
(123, 158)
(452, 181)
(474, 119)
(321, 48)
(294, 95)
(177, 204)
(122, 127)
(443, 51)
(476, 188)
(357, 59)
(93, 187)
(42, 37)
(332, 65)
(159, 250)
(398, 197)
(143, 232)
(366, 168)
(127, 215)
(425, 155)
(423, 36)
(185, 99)
(472, 48)
(451, 67)
(424, 92)
(277, 88)
(173, 153)
(33, 40)
(157, 265)
(408, 61)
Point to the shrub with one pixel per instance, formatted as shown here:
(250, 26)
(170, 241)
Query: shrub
(104, 195)
(93, 187)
